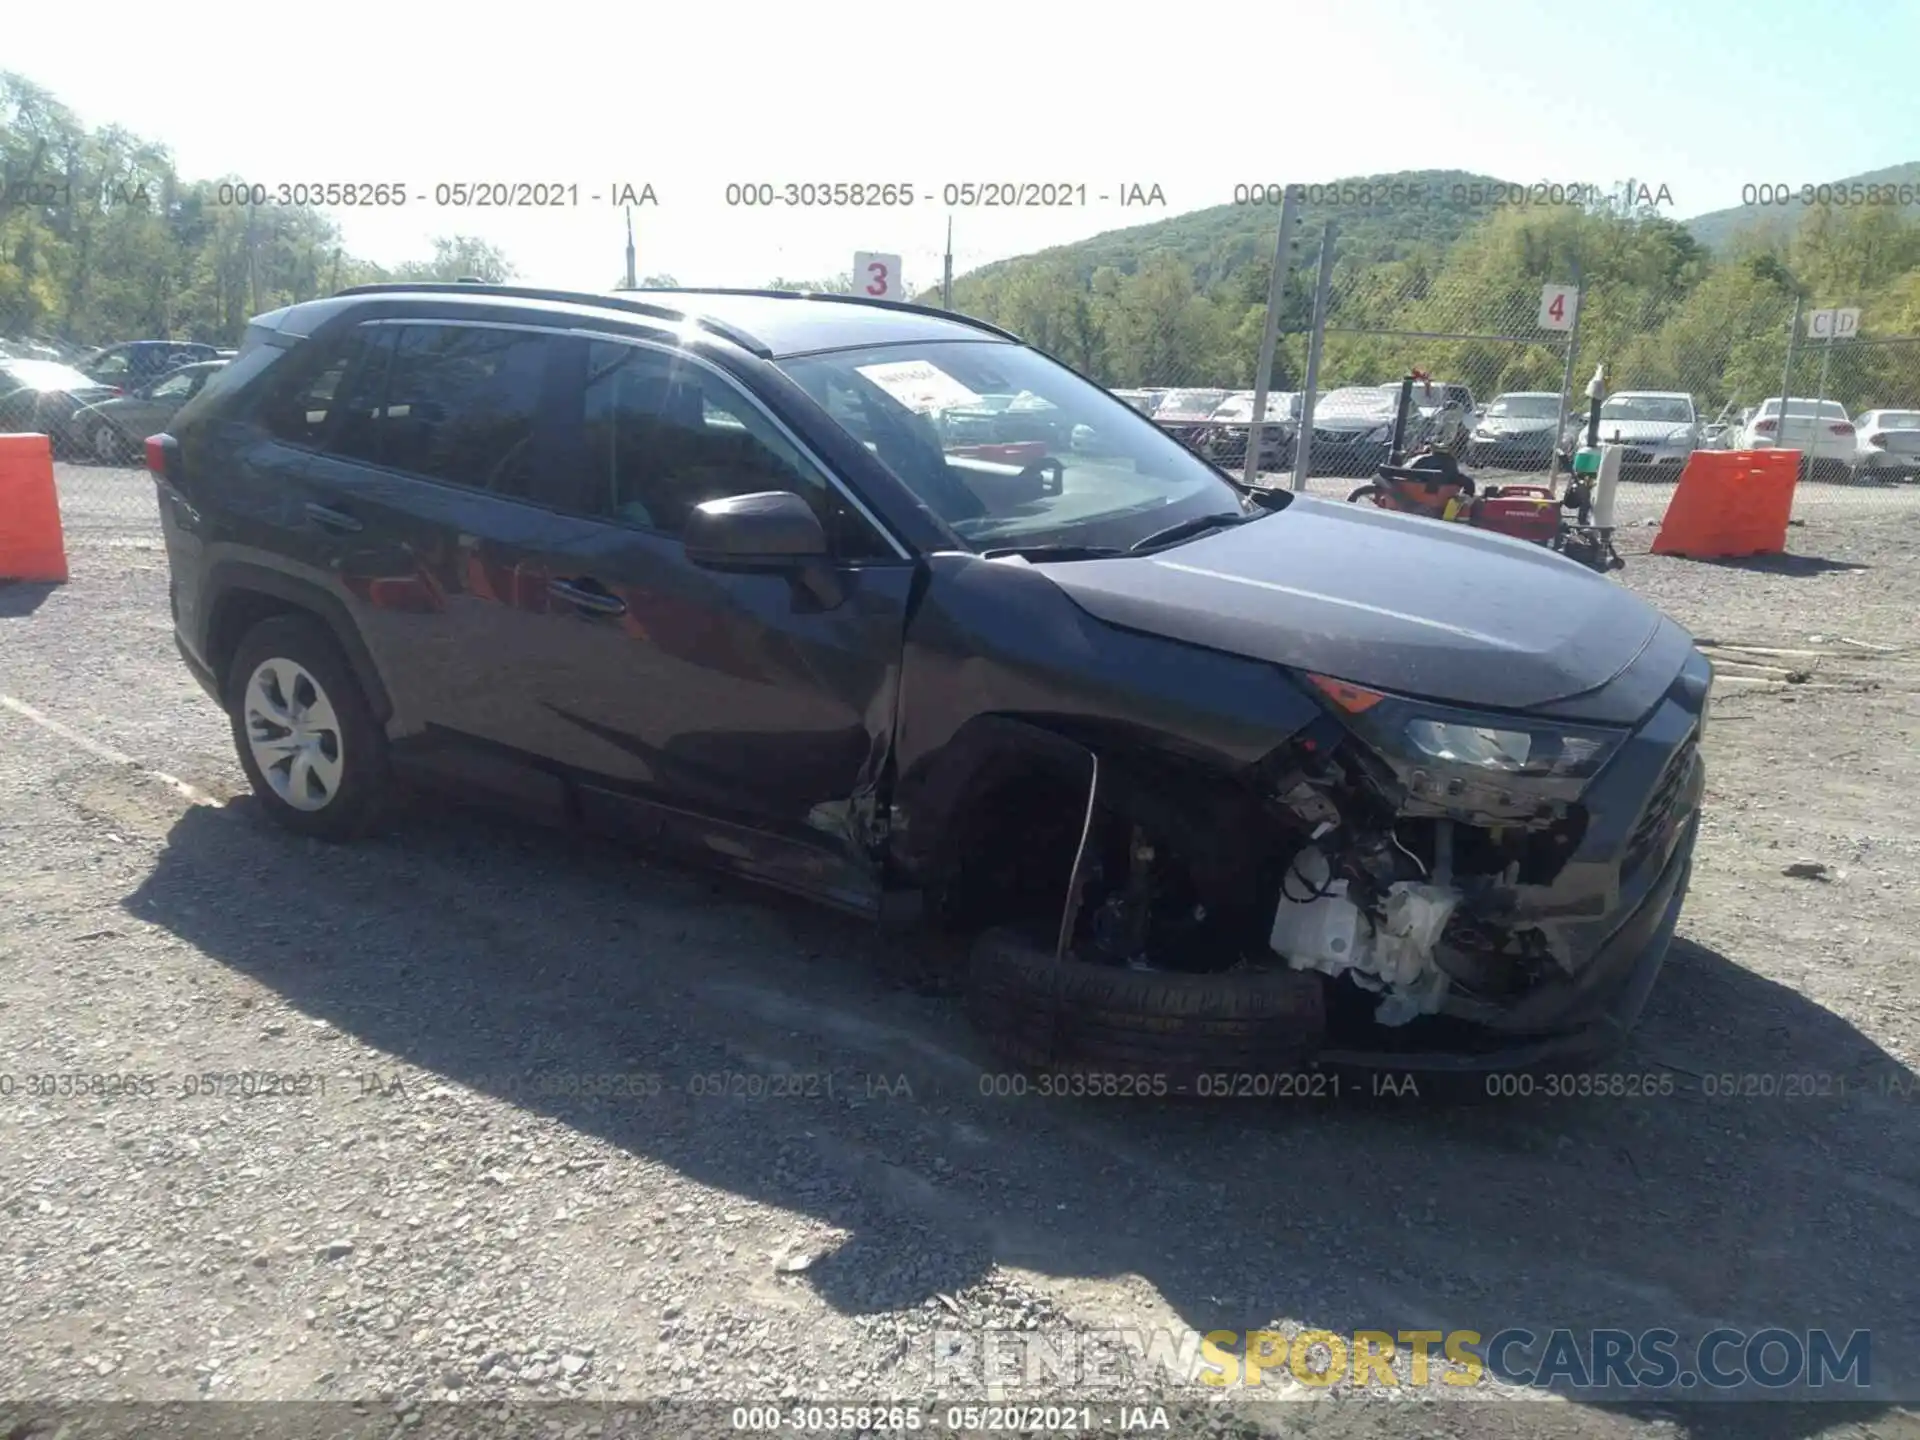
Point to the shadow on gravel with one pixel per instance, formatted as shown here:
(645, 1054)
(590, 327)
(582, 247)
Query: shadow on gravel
(19, 598)
(1766, 1171)
(1788, 565)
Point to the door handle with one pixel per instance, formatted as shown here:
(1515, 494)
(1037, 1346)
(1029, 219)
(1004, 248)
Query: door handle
(332, 519)
(598, 601)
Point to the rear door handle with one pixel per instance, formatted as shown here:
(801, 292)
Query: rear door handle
(332, 519)
(598, 601)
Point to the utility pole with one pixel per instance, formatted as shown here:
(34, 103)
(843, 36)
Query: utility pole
(253, 266)
(1270, 339)
(946, 273)
(1310, 393)
(632, 282)
(1786, 374)
(1566, 377)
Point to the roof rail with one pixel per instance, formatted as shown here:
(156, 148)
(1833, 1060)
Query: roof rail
(568, 297)
(840, 298)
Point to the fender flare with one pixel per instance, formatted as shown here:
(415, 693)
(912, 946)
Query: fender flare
(229, 577)
(982, 753)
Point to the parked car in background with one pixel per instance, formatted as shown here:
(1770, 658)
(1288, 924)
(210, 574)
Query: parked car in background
(1889, 445)
(24, 349)
(112, 431)
(1438, 412)
(1723, 431)
(46, 397)
(1225, 439)
(1658, 428)
(1001, 420)
(1819, 429)
(1353, 430)
(137, 362)
(1183, 414)
(1516, 432)
(1145, 401)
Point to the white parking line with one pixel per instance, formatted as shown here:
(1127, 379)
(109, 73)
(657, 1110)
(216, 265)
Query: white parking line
(107, 753)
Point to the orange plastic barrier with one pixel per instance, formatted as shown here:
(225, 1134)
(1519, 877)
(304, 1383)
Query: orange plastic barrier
(32, 546)
(1730, 502)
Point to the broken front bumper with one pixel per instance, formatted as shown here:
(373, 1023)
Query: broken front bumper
(1594, 1012)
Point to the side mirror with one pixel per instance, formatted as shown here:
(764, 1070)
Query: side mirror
(770, 530)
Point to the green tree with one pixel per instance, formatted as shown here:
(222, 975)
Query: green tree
(457, 256)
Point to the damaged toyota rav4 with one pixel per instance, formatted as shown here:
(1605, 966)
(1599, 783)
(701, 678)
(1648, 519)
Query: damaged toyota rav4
(1215, 778)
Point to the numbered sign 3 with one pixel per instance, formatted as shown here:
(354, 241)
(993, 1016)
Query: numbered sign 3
(1558, 303)
(877, 275)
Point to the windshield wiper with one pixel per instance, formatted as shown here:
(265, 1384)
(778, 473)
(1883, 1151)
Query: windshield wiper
(1198, 525)
(1054, 552)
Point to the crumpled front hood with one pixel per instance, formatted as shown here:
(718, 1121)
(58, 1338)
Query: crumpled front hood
(1397, 602)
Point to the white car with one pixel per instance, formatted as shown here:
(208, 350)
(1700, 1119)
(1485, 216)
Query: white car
(1658, 428)
(1819, 429)
(1889, 447)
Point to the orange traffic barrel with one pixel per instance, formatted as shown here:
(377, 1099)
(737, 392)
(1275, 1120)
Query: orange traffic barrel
(32, 545)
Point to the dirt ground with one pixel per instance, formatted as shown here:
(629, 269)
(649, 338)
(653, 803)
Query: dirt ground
(562, 1125)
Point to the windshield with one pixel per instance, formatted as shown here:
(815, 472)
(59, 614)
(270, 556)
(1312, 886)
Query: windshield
(1279, 407)
(1359, 402)
(1659, 409)
(1798, 409)
(48, 375)
(1192, 402)
(1084, 470)
(1524, 407)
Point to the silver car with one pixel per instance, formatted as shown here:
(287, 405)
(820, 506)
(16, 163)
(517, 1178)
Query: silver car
(1658, 428)
(113, 431)
(1889, 446)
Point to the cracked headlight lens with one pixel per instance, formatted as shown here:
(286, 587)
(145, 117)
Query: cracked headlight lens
(1423, 734)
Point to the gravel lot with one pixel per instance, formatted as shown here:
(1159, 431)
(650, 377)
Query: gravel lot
(570, 1126)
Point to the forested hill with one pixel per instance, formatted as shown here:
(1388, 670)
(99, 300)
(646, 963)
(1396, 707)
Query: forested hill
(1874, 189)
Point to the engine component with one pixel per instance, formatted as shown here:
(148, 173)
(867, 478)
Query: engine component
(1317, 927)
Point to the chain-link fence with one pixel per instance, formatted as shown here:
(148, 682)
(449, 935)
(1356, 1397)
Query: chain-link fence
(1695, 361)
(1691, 362)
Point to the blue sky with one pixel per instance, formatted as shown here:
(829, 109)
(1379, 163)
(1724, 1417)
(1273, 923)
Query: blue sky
(1700, 96)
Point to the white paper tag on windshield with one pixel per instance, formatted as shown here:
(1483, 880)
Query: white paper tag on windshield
(919, 386)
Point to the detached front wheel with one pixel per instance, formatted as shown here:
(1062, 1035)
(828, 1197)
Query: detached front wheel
(1044, 1013)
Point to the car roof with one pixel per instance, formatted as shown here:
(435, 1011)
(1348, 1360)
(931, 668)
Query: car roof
(1528, 395)
(1651, 395)
(775, 324)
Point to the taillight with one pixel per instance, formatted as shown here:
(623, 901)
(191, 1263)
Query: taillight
(1765, 427)
(1877, 440)
(1845, 427)
(157, 447)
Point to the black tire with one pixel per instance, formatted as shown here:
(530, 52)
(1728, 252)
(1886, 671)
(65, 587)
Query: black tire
(359, 802)
(1048, 1014)
(1369, 493)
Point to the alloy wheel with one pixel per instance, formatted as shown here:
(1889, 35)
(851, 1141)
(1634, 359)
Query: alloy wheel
(293, 734)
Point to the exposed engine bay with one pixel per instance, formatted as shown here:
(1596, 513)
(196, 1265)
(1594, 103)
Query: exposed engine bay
(1405, 901)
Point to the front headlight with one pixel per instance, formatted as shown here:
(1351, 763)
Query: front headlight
(1511, 752)
(1383, 432)
(1462, 759)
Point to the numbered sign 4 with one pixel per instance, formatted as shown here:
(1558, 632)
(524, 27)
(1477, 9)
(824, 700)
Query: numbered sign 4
(877, 275)
(1558, 304)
